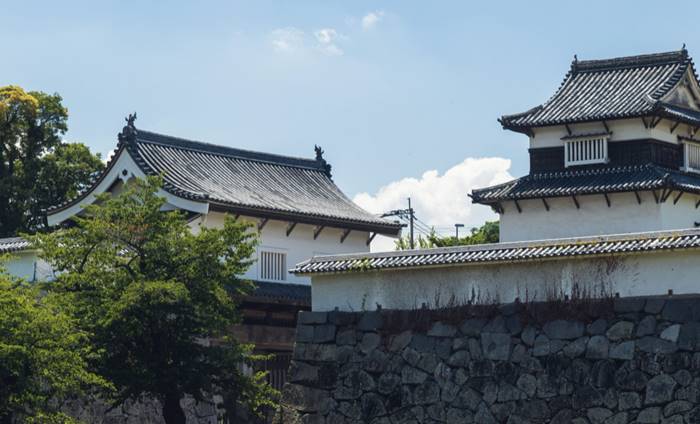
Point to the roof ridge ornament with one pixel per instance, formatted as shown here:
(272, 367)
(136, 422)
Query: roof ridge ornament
(319, 158)
(129, 131)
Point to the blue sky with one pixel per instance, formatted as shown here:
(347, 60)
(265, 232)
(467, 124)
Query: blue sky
(413, 87)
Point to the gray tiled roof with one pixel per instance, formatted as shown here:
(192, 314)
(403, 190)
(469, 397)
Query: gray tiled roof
(589, 181)
(504, 252)
(282, 292)
(13, 244)
(610, 89)
(249, 183)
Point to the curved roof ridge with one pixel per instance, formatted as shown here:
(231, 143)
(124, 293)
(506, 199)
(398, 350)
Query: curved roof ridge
(145, 136)
(650, 59)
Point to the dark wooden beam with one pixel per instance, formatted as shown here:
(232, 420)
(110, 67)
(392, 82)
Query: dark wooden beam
(576, 202)
(674, 126)
(517, 205)
(290, 228)
(262, 223)
(646, 125)
(639, 199)
(605, 124)
(235, 218)
(656, 196)
(654, 123)
(607, 198)
(371, 237)
(546, 205)
(697, 204)
(675, 200)
(666, 195)
(568, 129)
(345, 235)
(317, 230)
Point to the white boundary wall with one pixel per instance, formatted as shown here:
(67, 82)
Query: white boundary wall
(652, 273)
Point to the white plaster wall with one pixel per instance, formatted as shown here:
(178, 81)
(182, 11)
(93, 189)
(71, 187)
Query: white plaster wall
(594, 217)
(29, 266)
(622, 129)
(300, 245)
(652, 273)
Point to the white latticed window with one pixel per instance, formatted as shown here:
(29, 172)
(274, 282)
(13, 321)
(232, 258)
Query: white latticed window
(273, 266)
(691, 155)
(586, 151)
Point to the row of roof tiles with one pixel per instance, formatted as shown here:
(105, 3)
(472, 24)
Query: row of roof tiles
(610, 89)
(13, 244)
(589, 181)
(503, 252)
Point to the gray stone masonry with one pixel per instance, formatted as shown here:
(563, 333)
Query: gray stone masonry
(636, 361)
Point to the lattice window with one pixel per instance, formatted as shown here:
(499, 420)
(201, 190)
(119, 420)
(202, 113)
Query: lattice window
(273, 266)
(586, 151)
(691, 156)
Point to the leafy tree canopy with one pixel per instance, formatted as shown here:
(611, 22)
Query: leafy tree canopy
(158, 298)
(37, 169)
(42, 355)
(487, 233)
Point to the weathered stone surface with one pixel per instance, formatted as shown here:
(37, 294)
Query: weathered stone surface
(659, 390)
(654, 305)
(413, 376)
(346, 337)
(597, 327)
(440, 329)
(655, 345)
(307, 317)
(650, 415)
(400, 341)
(681, 310)
(563, 329)
(369, 342)
(370, 321)
(528, 335)
(496, 324)
(598, 415)
(597, 347)
(542, 346)
(459, 359)
(305, 333)
(677, 407)
(688, 335)
(672, 332)
(629, 400)
(621, 330)
(629, 304)
(624, 350)
(472, 326)
(495, 346)
(324, 333)
(468, 398)
(303, 398)
(576, 348)
(646, 327)
(302, 372)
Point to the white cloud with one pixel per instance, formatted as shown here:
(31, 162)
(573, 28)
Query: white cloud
(371, 19)
(287, 40)
(327, 38)
(440, 200)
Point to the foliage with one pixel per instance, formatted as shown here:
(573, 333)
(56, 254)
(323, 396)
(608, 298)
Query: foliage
(43, 357)
(158, 299)
(487, 233)
(37, 169)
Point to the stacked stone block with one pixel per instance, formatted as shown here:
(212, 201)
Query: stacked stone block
(639, 362)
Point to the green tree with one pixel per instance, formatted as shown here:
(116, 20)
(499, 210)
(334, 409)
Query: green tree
(487, 233)
(37, 169)
(42, 355)
(158, 299)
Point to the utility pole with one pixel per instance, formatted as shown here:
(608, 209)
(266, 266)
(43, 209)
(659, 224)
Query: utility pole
(457, 227)
(406, 214)
(412, 215)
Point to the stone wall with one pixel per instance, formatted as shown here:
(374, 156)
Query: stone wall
(623, 361)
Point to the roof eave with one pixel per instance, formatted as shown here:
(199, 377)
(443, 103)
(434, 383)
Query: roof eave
(390, 229)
